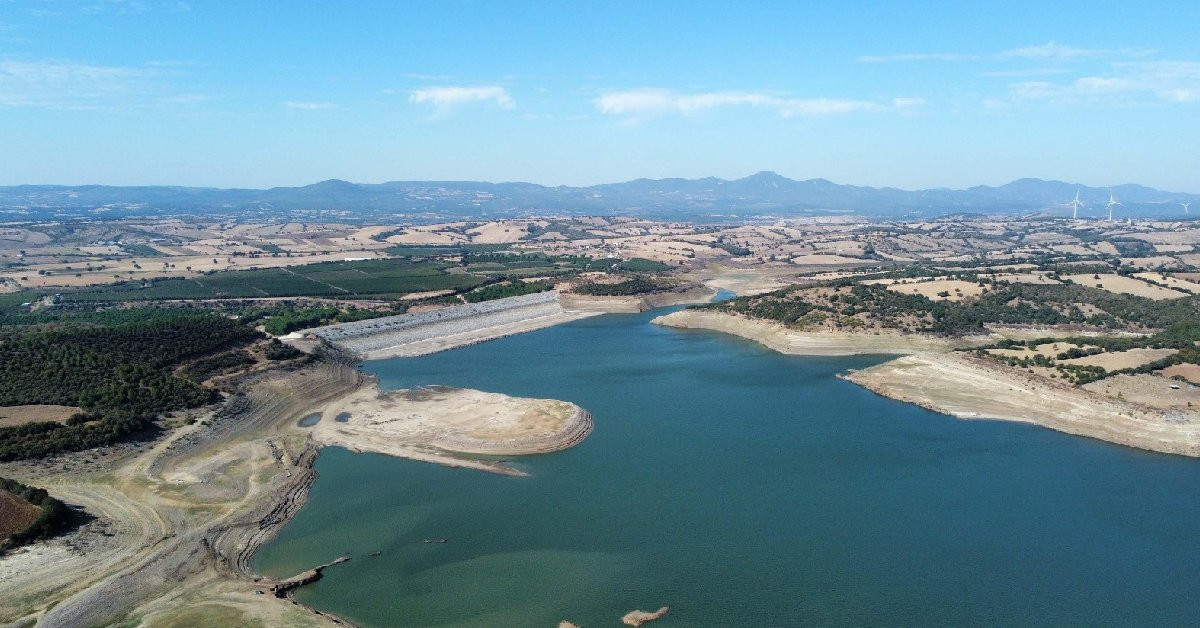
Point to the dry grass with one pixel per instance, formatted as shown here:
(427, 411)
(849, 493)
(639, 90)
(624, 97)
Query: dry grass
(1048, 349)
(1112, 282)
(957, 289)
(16, 514)
(1117, 360)
(1173, 248)
(1148, 390)
(1191, 236)
(152, 267)
(1190, 372)
(1074, 249)
(20, 415)
(1170, 282)
(1034, 278)
(824, 260)
(499, 232)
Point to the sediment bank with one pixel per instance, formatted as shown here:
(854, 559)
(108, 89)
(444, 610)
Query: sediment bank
(434, 424)
(789, 341)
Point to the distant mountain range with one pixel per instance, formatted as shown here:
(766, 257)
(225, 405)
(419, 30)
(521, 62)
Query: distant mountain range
(762, 194)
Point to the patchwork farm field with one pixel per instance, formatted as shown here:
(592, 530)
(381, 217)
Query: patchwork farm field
(368, 277)
(1126, 285)
(382, 278)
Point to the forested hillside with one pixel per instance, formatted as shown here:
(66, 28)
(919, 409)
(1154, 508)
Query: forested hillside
(119, 374)
(850, 303)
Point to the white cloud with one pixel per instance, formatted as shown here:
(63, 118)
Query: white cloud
(905, 103)
(651, 102)
(308, 106)
(1049, 51)
(1054, 50)
(66, 85)
(917, 56)
(1026, 72)
(1127, 83)
(445, 98)
(1181, 95)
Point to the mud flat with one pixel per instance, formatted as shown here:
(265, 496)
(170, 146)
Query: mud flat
(447, 328)
(968, 387)
(434, 424)
(784, 340)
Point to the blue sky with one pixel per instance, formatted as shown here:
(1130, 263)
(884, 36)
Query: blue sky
(257, 94)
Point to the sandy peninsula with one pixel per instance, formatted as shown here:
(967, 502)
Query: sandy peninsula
(932, 375)
(436, 424)
(968, 387)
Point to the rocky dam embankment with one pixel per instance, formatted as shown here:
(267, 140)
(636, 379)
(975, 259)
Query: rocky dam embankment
(446, 328)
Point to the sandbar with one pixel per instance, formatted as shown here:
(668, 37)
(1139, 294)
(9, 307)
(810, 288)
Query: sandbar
(439, 424)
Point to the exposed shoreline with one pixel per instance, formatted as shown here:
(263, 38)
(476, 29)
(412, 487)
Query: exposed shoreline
(789, 341)
(968, 387)
(177, 525)
(633, 304)
(931, 375)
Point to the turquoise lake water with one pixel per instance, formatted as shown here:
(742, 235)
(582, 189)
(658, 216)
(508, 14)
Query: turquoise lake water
(744, 488)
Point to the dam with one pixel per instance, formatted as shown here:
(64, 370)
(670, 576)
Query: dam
(446, 328)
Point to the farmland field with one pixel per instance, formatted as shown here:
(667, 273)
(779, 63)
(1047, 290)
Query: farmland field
(16, 514)
(954, 289)
(1117, 360)
(20, 415)
(1126, 285)
(385, 278)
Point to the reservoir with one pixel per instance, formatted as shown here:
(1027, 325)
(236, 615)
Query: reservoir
(742, 487)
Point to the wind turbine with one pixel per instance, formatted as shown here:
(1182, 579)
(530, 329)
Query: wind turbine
(1186, 206)
(1075, 205)
(1112, 202)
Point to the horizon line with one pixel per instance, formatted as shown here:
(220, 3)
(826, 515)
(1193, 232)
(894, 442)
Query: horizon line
(563, 185)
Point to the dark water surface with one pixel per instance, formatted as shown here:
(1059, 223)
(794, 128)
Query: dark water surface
(744, 488)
